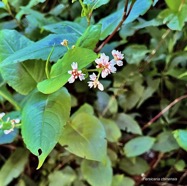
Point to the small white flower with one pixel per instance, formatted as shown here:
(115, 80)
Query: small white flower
(1, 115)
(104, 64)
(75, 73)
(118, 57)
(95, 82)
(13, 121)
(8, 131)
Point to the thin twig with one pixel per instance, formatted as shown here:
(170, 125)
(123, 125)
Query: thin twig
(164, 110)
(125, 15)
(153, 166)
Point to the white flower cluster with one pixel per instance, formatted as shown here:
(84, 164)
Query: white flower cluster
(8, 125)
(104, 67)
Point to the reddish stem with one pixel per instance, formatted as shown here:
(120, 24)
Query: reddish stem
(164, 110)
(125, 15)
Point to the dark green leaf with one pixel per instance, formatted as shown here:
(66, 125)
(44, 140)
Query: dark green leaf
(127, 123)
(13, 166)
(134, 54)
(138, 146)
(97, 173)
(165, 142)
(136, 167)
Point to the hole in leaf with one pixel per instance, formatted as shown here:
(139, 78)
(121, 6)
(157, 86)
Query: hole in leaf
(39, 151)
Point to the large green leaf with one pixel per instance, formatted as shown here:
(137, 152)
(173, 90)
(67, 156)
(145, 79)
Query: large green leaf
(181, 137)
(109, 23)
(10, 42)
(85, 137)
(14, 166)
(59, 72)
(23, 77)
(43, 118)
(138, 9)
(138, 146)
(97, 173)
(41, 49)
(4, 92)
(90, 37)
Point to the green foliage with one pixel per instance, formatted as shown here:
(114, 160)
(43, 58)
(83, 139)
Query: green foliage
(96, 173)
(59, 75)
(127, 123)
(181, 137)
(134, 167)
(48, 114)
(120, 180)
(78, 135)
(90, 37)
(64, 178)
(138, 146)
(85, 137)
(13, 166)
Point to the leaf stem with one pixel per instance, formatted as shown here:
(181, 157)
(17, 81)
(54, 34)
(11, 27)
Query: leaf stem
(8, 98)
(125, 15)
(47, 63)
